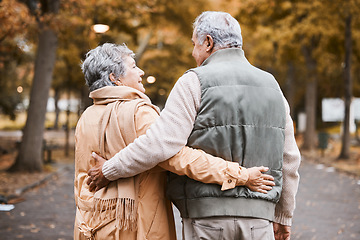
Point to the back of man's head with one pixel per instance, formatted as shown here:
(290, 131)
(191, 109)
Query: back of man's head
(221, 26)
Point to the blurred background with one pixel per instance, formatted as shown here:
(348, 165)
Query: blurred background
(312, 47)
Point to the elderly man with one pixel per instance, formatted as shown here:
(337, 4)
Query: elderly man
(233, 110)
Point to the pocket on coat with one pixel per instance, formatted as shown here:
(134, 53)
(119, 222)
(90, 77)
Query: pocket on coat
(203, 232)
(262, 231)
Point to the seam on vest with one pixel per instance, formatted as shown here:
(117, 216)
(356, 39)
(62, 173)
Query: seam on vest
(241, 125)
(245, 85)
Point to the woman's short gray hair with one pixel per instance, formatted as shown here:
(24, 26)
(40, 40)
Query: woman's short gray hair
(103, 60)
(221, 26)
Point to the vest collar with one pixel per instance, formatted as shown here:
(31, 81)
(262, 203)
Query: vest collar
(226, 54)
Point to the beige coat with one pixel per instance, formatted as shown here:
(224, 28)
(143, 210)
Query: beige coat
(154, 212)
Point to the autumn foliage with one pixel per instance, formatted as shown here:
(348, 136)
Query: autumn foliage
(301, 42)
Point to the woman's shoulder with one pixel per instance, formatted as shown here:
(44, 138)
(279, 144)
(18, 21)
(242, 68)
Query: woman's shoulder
(145, 115)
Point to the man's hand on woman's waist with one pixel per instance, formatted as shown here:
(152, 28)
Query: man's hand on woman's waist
(96, 178)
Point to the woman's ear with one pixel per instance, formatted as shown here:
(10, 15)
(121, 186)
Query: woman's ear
(209, 43)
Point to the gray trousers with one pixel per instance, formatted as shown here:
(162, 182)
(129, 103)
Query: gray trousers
(227, 228)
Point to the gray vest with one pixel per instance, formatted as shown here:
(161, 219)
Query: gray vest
(241, 119)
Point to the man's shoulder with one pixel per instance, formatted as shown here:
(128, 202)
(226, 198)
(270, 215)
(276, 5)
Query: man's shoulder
(264, 73)
(187, 82)
(189, 75)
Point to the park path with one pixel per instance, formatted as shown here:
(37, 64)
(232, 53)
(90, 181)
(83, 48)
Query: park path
(328, 207)
(46, 214)
(328, 204)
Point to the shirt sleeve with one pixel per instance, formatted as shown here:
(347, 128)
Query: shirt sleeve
(165, 138)
(206, 168)
(193, 163)
(291, 161)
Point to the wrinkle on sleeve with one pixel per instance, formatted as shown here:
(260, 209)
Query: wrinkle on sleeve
(291, 162)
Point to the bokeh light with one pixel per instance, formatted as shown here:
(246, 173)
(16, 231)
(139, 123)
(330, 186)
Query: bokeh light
(100, 28)
(151, 79)
(19, 89)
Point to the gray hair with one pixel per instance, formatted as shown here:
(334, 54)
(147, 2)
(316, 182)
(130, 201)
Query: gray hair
(221, 26)
(102, 61)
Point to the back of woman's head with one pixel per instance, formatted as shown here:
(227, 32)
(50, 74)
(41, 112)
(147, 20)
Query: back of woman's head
(221, 26)
(103, 60)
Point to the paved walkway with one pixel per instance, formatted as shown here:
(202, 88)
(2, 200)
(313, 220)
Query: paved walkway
(46, 214)
(328, 207)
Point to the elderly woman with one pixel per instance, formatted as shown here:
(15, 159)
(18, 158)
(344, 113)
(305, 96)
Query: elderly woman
(134, 208)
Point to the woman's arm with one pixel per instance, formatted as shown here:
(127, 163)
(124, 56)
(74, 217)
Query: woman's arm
(204, 167)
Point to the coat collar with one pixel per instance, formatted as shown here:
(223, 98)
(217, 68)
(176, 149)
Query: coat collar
(109, 94)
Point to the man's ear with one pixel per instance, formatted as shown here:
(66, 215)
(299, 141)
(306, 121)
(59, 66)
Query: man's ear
(209, 43)
(112, 77)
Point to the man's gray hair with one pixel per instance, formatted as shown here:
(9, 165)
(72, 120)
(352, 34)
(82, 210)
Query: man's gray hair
(221, 26)
(103, 60)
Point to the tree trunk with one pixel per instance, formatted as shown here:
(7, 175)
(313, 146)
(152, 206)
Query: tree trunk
(30, 154)
(289, 88)
(143, 45)
(57, 109)
(310, 109)
(345, 149)
(67, 127)
(85, 100)
(310, 101)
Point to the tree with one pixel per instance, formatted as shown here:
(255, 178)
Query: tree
(68, 26)
(306, 34)
(168, 53)
(30, 154)
(310, 95)
(279, 29)
(15, 57)
(345, 149)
